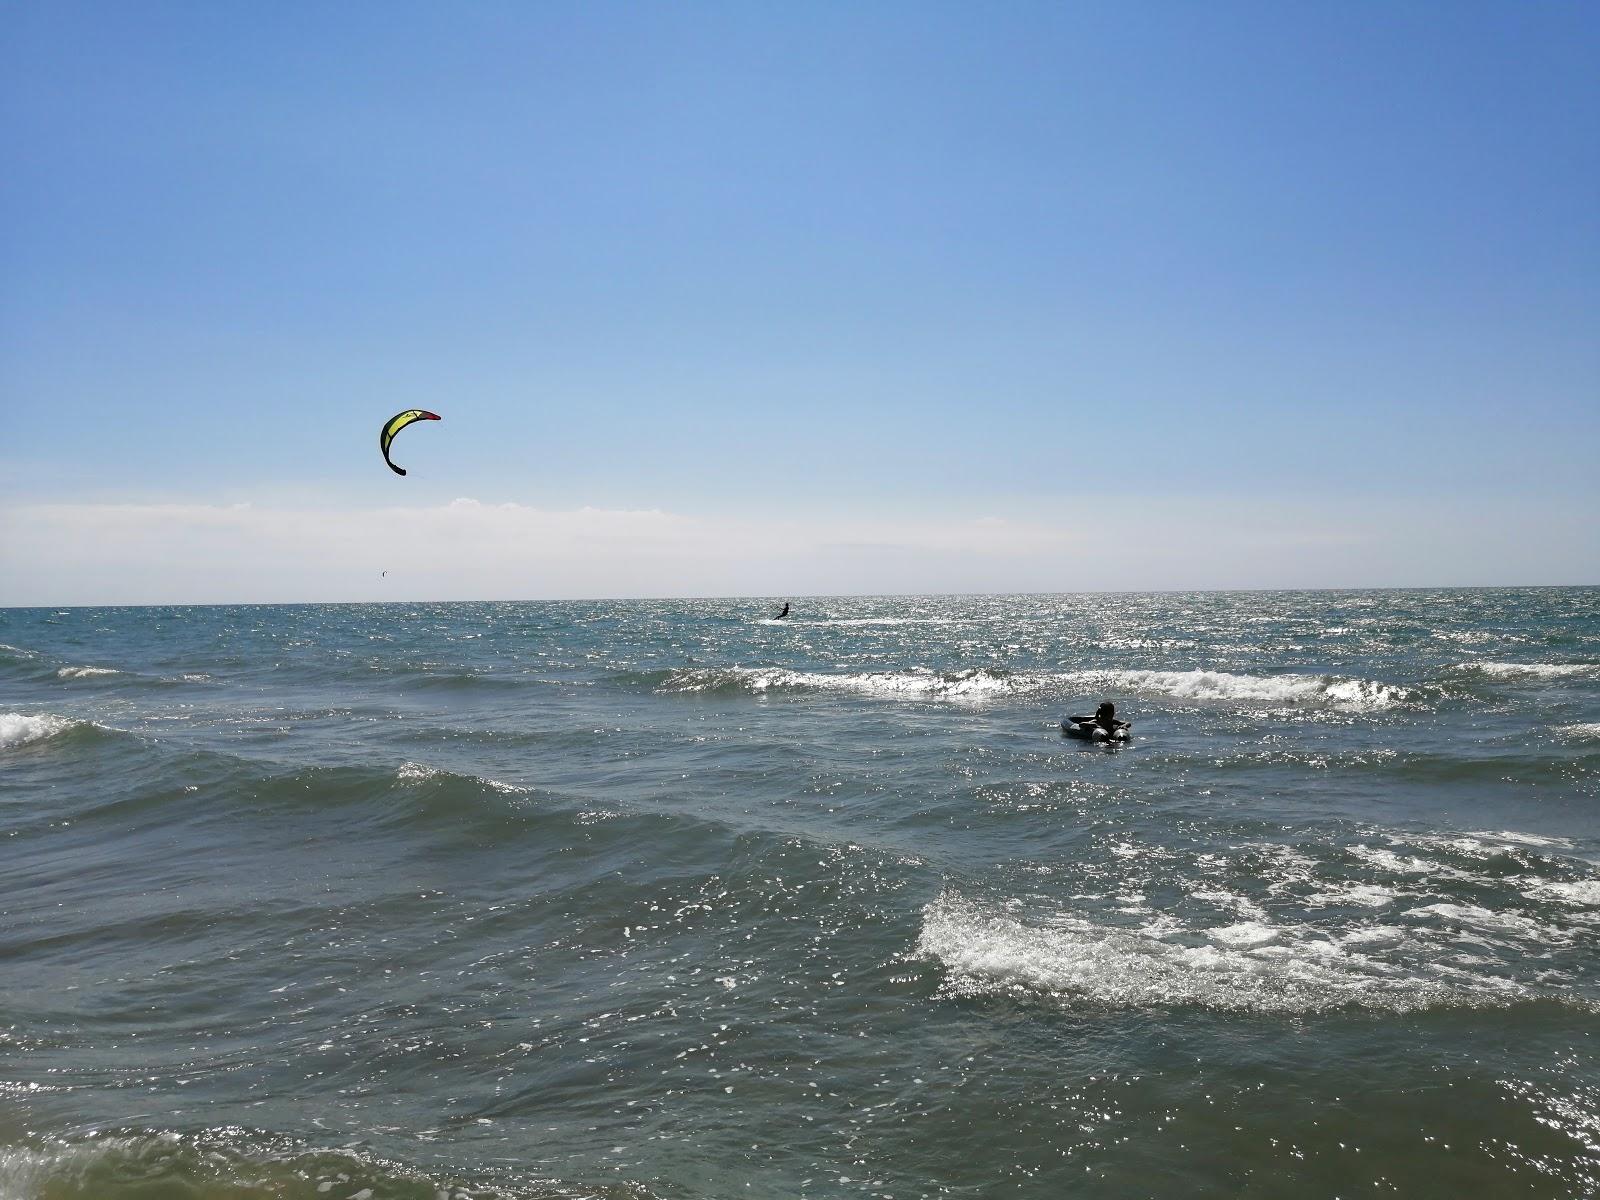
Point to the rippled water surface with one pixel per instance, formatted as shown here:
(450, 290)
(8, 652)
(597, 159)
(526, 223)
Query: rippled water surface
(665, 899)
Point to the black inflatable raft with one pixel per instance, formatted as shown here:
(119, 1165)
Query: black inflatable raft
(1088, 730)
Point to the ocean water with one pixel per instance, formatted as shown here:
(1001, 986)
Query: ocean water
(662, 899)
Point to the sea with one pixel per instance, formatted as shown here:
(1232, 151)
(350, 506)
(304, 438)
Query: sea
(655, 899)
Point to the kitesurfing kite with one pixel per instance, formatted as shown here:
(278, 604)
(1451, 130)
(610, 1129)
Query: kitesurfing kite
(394, 425)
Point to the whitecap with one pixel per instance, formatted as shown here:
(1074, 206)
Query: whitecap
(1344, 694)
(1369, 935)
(1351, 695)
(413, 772)
(18, 729)
(1585, 892)
(1525, 839)
(1509, 670)
(1256, 968)
(1507, 924)
(86, 672)
(971, 684)
(1365, 895)
(1485, 845)
(1245, 906)
(1244, 934)
(1396, 864)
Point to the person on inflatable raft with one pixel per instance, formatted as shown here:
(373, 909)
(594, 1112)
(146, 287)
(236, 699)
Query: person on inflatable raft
(1104, 726)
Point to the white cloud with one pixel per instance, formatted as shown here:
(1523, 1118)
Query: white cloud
(466, 549)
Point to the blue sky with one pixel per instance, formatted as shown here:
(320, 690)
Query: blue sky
(882, 273)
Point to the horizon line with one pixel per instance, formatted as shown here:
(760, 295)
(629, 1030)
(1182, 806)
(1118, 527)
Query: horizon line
(1222, 591)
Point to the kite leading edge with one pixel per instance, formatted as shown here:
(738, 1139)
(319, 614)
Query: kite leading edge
(394, 425)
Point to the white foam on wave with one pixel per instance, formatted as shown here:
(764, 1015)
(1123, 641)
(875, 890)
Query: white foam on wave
(1482, 845)
(1428, 873)
(1350, 695)
(1584, 892)
(1398, 922)
(1343, 694)
(1583, 732)
(1509, 670)
(9, 649)
(1373, 935)
(1506, 924)
(1285, 867)
(1246, 967)
(1396, 864)
(413, 772)
(972, 684)
(1223, 898)
(85, 672)
(1359, 895)
(1523, 839)
(18, 729)
(1245, 934)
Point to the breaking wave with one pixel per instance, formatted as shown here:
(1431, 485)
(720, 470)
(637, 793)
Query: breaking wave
(1248, 966)
(1334, 691)
(18, 729)
(1424, 921)
(413, 772)
(86, 672)
(1509, 670)
(976, 683)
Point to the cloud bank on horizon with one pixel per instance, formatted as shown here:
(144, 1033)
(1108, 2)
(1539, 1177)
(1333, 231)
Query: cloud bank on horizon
(68, 554)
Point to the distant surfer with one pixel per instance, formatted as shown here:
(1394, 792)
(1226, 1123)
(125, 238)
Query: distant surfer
(784, 613)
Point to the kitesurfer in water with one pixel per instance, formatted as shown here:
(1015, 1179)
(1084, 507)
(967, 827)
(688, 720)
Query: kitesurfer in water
(784, 613)
(1106, 718)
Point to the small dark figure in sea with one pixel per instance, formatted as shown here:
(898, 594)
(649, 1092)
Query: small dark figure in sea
(784, 613)
(1106, 717)
(1104, 726)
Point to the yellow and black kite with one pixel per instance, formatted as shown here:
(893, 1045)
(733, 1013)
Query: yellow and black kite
(394, 425)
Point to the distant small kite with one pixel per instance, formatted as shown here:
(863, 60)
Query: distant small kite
(394, 425)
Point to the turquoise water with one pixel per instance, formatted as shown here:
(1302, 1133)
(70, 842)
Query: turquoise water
(660, 899)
